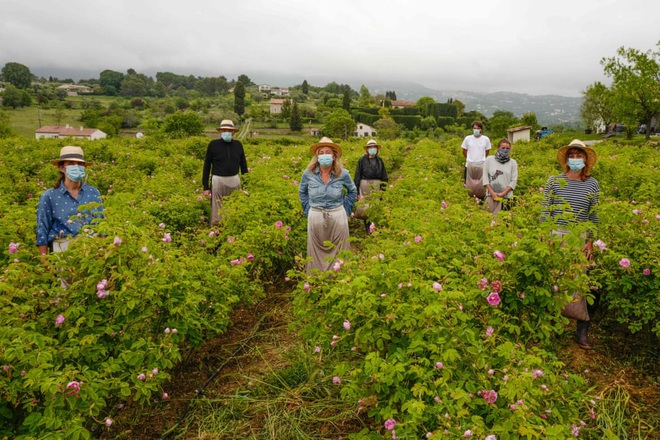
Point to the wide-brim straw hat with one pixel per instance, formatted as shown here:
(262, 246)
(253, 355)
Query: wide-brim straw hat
(70, 153)
(325, 142)
(576, 143)
(370, 144)
(227, 124)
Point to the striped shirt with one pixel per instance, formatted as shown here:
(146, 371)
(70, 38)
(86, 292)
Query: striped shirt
(569, 201)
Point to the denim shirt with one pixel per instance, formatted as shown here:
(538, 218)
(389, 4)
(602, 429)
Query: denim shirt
(57, 206)
(314, 193)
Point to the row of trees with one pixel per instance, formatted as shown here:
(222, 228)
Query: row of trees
(634, 96)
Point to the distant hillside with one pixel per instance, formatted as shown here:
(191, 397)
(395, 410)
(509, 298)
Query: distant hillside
(549, 109)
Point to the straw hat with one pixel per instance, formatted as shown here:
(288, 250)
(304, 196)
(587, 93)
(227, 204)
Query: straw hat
(325, 142)
(72, 154)
(227, 124)
(371, 143)
(576, 143)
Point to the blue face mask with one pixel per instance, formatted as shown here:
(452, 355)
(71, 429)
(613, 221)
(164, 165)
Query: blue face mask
(75, 172)
(372, 151)
(325, 160)
(575, 164)
(503, 152)
(226, 136)
(476, 132)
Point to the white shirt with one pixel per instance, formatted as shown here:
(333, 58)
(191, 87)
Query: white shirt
(476, 148)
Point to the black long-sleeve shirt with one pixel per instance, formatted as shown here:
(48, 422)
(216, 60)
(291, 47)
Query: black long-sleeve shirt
(223, 159)
(370, 168)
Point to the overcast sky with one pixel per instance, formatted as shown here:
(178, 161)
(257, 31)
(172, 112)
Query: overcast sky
(521, 46)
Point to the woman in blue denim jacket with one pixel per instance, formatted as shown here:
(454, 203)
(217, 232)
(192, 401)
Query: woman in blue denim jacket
(327, 194)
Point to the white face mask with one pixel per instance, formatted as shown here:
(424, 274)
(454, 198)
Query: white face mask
(372, 151)
(326, 159)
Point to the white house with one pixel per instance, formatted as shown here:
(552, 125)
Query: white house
(519, 134)
(364, 130)
(74, 89)
(276, 106)
(59, 131)
(279, 91)
(264, 88)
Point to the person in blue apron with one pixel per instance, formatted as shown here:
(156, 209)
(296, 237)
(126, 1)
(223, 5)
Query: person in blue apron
(59, 218)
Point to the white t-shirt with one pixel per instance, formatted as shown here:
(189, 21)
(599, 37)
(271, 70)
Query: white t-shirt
(476, 148)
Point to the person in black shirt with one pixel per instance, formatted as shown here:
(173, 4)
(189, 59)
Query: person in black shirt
(224, 157)
(370, 175)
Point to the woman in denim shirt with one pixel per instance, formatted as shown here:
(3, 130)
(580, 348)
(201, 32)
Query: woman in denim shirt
(60, 203)
(325, 204)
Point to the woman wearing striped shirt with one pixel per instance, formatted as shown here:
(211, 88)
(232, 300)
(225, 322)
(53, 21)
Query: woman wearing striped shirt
(572, 197)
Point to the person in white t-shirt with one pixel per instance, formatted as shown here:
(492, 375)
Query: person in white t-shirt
(476, 148)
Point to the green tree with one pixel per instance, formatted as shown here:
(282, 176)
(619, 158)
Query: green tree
(387, 128)
(305, 87)
(597, 106)
(635, 85)
(460, 107)
(245, 80)
(295, 123)
(423, 104)
(17, 75)
(110, 81)
(339, 124)
(133, 86)
(346, 100)
(12, 97)
(239, 98)
(286, 109)
(530, 119)
(500, 122)
(183, 124)
(365, 99)
(5, 129)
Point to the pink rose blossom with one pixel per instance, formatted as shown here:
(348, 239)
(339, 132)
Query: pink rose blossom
(108, 422)
(144, 249)
(493, 299)
(230, 239)
(600, 244)
(5, 367)
(437, 287)
(336, 379)
(443, 204)
(317, 349)
(250, 257)
(439, 365)
(235, 262)
(544, 388)
(555, 288)
(496, 286)
(13, 247)
(102, 294)
(624, 262)
(72, 388)
(418, 239)
(306, 287)
(383, 295)
(167, 238)
(167, 330)
(279, 224)
(636, 211)
(536, 373)
(467, 433)
(491, 437)
(141, 377)
(490, 396)
(154, 371)
(166, 396)
(646, 272)
(491, 372)
(372, 228)
(505, 378)
(657, 216)
(482, 284)
(59, 320)
(117, 241)
(389, 424)
(499, 255)
(175, 331)
(161, 226)
(489, 331)
(347, 324)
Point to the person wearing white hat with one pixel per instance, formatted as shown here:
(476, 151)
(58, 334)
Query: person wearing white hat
(321, 193)
(370, 175)
(59, 217)
(570, 198)
(224, 158)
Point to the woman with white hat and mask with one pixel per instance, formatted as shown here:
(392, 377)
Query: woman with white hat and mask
(327, 208)
(59, 217)
(370, 175)
(576, 193)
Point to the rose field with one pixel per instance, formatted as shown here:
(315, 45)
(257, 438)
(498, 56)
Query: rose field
(441, 323)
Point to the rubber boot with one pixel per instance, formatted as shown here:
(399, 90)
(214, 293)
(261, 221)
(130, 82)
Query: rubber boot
(581, 335)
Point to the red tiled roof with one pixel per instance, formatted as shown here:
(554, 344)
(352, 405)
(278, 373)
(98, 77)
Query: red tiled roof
(401, 103)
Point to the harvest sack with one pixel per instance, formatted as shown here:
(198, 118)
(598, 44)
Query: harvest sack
(366, 187)
(473, 180)
(326, 225)
(576, 308)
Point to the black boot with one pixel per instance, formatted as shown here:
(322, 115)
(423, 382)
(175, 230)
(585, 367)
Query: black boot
(581, 335)
(366, 226)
